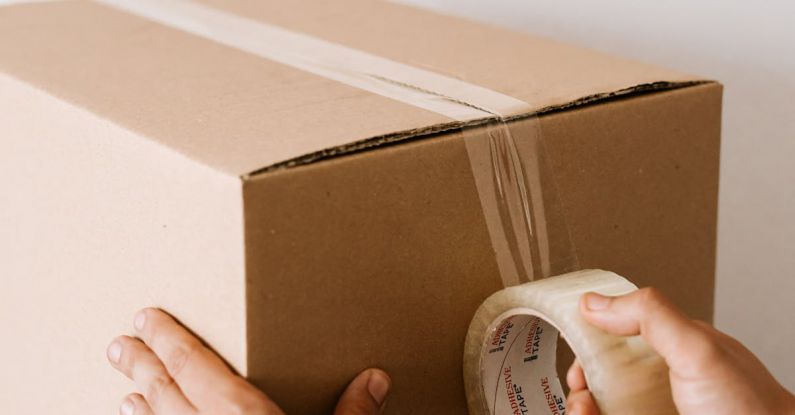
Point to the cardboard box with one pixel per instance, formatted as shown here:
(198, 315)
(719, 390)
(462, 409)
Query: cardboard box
(305, 228)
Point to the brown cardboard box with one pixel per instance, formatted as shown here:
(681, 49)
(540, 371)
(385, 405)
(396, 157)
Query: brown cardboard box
(262, 206)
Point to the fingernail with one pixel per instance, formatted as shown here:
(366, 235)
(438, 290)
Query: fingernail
(140, 320)
(127, 407)
(378, 386)
(596, 302)
(114, 352)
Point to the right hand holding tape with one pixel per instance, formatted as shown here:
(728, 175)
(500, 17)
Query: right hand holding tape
(636, 354)
(709, 371)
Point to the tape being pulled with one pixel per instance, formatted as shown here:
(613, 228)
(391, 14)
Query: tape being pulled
(510, 352)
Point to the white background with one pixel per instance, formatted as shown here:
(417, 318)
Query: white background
(750, 47)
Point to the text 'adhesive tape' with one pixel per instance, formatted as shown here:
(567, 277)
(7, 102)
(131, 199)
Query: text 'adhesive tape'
(510, 352)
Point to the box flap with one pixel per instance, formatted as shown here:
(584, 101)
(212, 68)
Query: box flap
(241, 113)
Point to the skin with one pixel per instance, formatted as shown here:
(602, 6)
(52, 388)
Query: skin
(175, 374)
(710, 372)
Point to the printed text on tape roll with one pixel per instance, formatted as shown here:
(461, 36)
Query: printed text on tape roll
(509, 356)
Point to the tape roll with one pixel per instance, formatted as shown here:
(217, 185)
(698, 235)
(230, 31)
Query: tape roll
(509, 357)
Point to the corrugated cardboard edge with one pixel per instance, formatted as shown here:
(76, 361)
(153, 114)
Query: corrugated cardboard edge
(434, 130)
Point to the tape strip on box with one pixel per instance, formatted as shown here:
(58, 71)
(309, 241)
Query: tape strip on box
(508, 158)
(421, 88)
(517, 190)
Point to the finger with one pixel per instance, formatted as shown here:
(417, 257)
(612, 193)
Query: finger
(185, 358)
(581, 403)
(648, 313)
(140, 364)
(366, 394)
(135, 404)
(575, 377)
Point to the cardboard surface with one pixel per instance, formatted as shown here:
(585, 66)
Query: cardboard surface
(382, 258)
(239, 113)
(127, 148)
(97, 222)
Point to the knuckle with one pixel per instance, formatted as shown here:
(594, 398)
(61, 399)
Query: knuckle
(179, 357)
(244, 401)
(157, 389)
(652, 296)
(245, 406)
(651, 300)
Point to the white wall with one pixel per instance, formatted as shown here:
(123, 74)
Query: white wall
(750, 47)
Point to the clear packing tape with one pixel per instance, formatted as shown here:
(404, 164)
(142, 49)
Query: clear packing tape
(510, 350)
(518, 194)
(511, 346)
(526, 224)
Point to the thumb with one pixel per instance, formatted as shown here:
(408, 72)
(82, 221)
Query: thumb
(648, 313)
(366, 394)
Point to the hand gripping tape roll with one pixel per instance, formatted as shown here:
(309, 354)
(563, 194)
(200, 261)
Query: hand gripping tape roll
(509, 357)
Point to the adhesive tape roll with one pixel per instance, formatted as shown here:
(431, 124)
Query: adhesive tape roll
(510, 352)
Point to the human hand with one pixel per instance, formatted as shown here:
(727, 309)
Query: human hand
(710, 372)
(175, 374)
